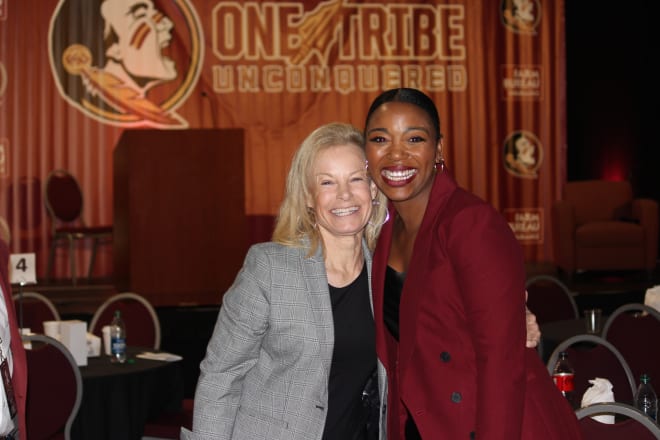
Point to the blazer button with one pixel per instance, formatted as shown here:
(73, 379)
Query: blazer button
(473, 435)
(445, 357)
(456, 397)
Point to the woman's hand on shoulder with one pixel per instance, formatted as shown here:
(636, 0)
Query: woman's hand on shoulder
(533, 330)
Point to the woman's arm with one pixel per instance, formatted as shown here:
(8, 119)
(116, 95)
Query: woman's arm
(232, 350)
(490, 267)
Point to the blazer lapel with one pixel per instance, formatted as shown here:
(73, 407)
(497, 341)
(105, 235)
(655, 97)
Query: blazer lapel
(367, 261)
(419, 267)
(316, 281)
(380, 257)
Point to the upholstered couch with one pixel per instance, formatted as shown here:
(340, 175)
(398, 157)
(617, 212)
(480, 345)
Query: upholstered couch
(599, 225)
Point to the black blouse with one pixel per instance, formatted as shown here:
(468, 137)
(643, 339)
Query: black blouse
(353, 358)
(391, 304)
(393, 288)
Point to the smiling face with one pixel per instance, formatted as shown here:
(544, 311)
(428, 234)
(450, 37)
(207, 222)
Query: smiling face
(402, 148)
(341, 192)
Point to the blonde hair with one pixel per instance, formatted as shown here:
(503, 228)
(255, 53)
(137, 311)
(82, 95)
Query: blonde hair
(296, 223)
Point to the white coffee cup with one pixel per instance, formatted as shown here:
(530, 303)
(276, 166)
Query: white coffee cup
(52, 329)
(106, 339)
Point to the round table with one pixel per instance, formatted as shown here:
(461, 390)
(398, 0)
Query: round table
(119, 398)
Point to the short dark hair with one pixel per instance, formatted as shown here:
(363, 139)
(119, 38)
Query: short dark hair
(410, 96)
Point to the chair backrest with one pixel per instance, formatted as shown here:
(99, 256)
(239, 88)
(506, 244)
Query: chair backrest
(32, 309)
(635, 329)
(142, 323)
(550, 299)
(592, 356)
(54, 389)
(599, 200)
(63, 197)
(630, 423)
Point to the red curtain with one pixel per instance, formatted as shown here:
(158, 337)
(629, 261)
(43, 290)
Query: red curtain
(74, 74)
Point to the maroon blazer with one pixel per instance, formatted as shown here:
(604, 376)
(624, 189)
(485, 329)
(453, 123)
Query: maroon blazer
(463, 369)
(19, 373)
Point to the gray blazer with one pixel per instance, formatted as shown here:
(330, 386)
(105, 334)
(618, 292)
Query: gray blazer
(266, 370)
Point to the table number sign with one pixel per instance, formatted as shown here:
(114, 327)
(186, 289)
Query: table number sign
(22, 269)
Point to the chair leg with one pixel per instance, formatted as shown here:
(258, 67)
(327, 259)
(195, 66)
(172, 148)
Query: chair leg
(92, 259)
(72, 260)
(51, 259)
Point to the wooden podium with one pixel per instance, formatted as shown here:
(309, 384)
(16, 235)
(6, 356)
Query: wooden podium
(179, 214)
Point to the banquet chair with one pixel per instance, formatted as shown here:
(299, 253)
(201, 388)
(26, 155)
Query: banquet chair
(54, 389)
(550, 299)
(64, 204)
(630, 423)
(140, 318)
(32, 309)
(592, 356)
(634, 329)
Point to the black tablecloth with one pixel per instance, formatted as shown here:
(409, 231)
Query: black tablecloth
(119, 398)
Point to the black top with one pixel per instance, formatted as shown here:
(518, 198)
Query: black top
(393, 288)
(353, 358)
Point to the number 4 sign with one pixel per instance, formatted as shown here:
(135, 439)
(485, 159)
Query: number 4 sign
(21, 269)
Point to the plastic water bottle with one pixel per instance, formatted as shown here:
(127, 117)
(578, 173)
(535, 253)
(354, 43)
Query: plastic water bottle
(645, 398)
(117, 339)
(564, 377)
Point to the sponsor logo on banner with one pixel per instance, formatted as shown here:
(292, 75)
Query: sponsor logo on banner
(4, 157)
(128, 63)
(337, 46)
(526, 224)
(522, 154)
(3, 81)
(521, 82)
(521, 16)
(3, 9)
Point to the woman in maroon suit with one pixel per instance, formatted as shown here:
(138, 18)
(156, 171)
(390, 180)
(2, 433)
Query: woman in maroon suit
(448, 286)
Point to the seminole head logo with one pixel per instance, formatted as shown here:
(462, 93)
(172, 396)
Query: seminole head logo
(117, 60)
(523, 154)
(521, 16)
